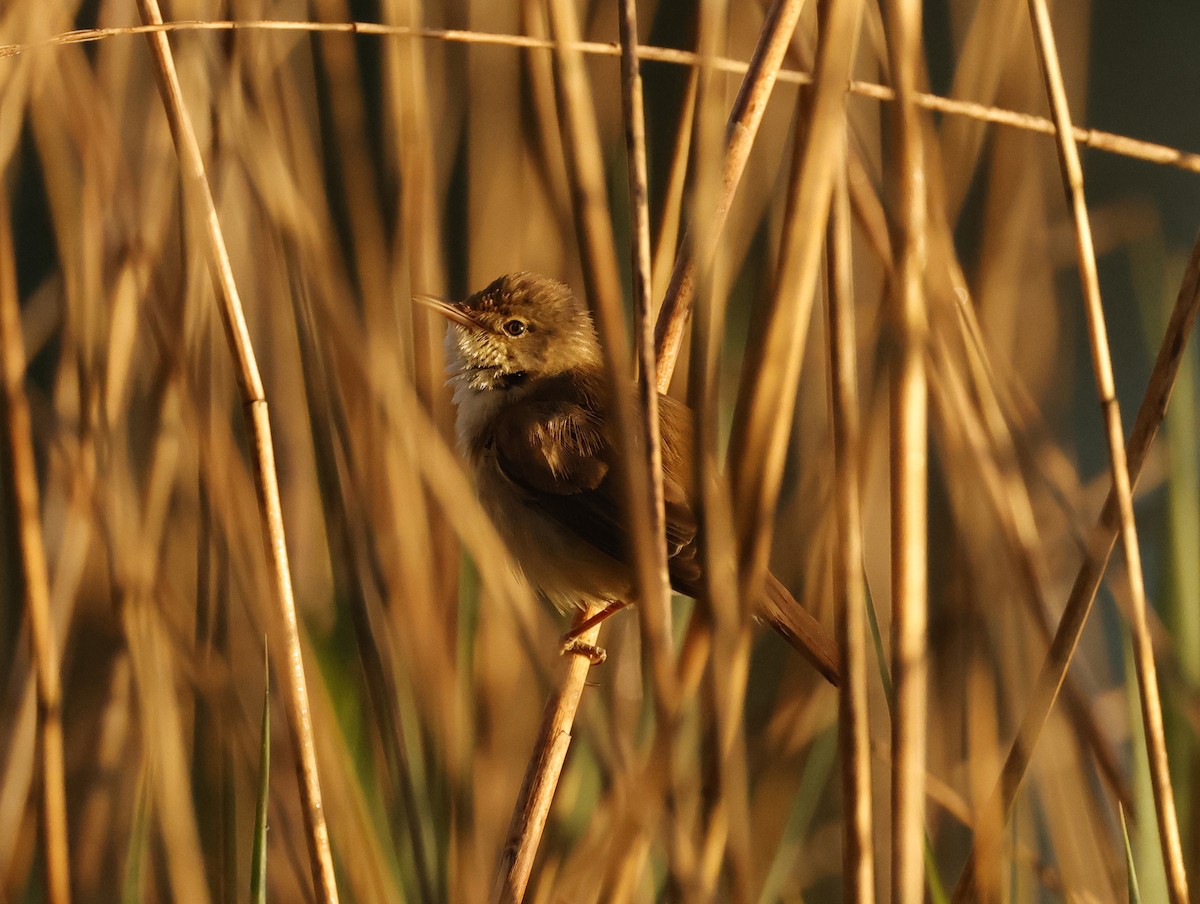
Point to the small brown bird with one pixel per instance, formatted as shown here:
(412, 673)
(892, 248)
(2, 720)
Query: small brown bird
(533, 421)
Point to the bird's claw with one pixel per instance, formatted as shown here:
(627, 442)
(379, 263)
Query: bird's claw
(575, 647)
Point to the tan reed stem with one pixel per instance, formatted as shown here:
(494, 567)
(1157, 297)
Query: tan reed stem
(909, 419)
(1143, 650)
(853, 712)
(36, 584)
(744, 120)
(767, 394)
(541, 778)
(1054, 668)
(198, 195)
(658, 605)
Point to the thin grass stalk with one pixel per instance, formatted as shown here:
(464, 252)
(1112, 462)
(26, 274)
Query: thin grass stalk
(741, 130)
(767, 394)
(258, 853)
(1151, 704)
(36, 583)
(909, 466)
(198, 194)
(858, 869)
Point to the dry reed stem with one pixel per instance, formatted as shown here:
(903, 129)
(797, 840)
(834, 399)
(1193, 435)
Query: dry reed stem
(44, 645)
(671, 210)
(1097, 551)
(741, 130)
(1151, 704)
(657, 605)
(1099, 139)
(767, 395)
(352, 566)
(853, 707)
(909, 466)
(541, 778)
(719, 630)
(198, 195)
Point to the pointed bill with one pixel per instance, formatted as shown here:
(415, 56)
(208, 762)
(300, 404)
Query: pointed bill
(448, 309)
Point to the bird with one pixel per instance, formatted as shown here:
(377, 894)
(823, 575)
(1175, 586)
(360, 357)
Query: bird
(534, 423)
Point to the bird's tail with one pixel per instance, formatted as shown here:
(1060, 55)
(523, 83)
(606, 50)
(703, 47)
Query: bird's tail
(800, 629)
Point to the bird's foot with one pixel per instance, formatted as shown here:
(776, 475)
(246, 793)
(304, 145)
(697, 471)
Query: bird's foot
(573, 646)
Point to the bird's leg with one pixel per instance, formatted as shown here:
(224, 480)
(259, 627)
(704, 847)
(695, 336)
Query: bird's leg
(571, 642)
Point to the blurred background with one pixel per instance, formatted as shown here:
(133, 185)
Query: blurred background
(353, 170)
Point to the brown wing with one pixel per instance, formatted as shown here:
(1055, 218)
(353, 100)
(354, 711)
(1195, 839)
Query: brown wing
(554, 444)
(552, 441)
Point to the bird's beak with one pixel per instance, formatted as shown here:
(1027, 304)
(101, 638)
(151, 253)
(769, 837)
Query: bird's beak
(448, 309)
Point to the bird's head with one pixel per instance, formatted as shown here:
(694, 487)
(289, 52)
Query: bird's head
(521, 327)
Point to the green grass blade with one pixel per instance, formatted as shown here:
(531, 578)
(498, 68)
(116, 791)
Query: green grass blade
(258, 858)
(1135, 895)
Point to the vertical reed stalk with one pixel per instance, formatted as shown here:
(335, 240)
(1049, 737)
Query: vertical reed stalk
(909, 416)
(1143, 651)
(858, 869)
(198, 196)
(1121, 502)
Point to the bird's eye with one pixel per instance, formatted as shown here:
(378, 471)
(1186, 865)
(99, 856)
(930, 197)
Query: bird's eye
(515, 327)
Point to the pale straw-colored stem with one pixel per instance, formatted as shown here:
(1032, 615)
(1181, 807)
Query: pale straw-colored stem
(1109, 142)
(858, 868)
(199, 200)
(909, 418)
(767, 396)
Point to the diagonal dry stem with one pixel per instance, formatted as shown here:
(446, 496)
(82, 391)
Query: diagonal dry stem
(657, 606)
(541, 778)
(744, 120)
(198, 195)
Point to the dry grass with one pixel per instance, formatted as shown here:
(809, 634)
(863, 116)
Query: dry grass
(943, 400)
